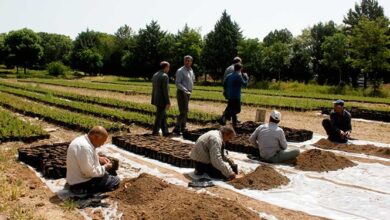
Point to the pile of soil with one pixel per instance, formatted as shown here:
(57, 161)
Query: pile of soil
(263, 178)
(156, 147)
(352, 148)
(320, 161)
(148, 197)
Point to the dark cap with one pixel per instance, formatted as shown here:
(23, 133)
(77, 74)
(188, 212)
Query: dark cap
(339, 102)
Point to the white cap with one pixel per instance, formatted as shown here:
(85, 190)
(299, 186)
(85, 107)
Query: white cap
(276, 115)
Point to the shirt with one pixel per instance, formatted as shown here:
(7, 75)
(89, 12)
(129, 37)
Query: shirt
(341, 122)
(232, 85)
(82, 161)
(228, 70)
(184, 79)
(208, 149)
(160, 90)
(269, 138)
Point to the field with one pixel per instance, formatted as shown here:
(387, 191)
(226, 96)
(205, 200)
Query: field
(41, 116)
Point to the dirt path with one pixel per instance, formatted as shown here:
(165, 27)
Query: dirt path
(373, 131)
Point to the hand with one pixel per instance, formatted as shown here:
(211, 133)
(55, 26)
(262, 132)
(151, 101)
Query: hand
(347, 134)
(108, 166)
(188, 92)
(239, 176)
(245, 75)
(167, 106)
(232, 177)
(230, 161)
(342, 133)
(104, 160)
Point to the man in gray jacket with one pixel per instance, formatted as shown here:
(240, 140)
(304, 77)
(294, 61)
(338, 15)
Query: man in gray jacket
(271, 141)
(184, 83)
(209, 156)
(160, 98)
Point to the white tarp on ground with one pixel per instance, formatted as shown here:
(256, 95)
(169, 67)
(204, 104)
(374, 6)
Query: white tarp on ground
(360, 192)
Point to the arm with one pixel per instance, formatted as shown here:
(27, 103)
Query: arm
(348, 123)
(282, 140)
(165, 85)
(244, 79)
(217, 160)
(179, 82)
(85, 159)
(253, 137)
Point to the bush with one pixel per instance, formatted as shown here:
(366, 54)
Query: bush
(57, 68)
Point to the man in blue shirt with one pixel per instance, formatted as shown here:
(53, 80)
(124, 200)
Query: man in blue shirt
(232, 87)
(338, 127)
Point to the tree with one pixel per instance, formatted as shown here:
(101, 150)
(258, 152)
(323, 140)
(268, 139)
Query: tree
(300, 63)
(369, 9)
(221, 45)
(2, 48)
(250, 50)
(335, 50)
(56, 47)
(318, 33)
(188, 42)
(23, 47)
(90, 61)
(153, 46)
(124, 53)
(276, 58)
(370, 42)
(283, 36)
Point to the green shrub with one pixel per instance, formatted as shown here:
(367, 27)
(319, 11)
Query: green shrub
(57, 68)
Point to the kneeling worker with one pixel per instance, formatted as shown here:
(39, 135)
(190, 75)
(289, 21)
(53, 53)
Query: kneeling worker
(209, 157)
(271, 141)
(338, 127)
(87, 172)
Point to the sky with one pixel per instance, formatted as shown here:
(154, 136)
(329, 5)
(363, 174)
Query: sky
(255, 17)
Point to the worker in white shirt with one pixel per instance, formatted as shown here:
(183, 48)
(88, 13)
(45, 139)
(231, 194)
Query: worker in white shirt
(271, 141)
(87, 172)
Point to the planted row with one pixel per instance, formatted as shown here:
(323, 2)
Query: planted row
(59, 116)
(14, 129)
(96, 110)
(193, 116)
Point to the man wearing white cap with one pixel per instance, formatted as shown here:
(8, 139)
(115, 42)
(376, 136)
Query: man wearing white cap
(271, 141)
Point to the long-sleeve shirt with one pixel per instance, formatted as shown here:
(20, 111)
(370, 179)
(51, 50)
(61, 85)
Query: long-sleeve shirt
(228, 70)
(341, 122)
(232, 85)
(269, 138)
(185, 79)
(160, 91)
(208, 150)
(82, 161)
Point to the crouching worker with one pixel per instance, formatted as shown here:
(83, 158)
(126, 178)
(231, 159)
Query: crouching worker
(87, 172)
(338, 127)
(209, 155)
(271, 141)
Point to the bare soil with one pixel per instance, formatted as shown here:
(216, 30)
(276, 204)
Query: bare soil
(263, 178)
(320, 161)
(352, 148)
(148, 197)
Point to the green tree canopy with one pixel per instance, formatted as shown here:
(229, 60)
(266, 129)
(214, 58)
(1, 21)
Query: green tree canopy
(283, 36)
(369, 9)
(250, 51)
(56, 47)
(276, 58)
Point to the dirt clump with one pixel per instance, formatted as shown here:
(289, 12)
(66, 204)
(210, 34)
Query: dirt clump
(148, 197)
(353, 148)
(263, 178)
(320, 161)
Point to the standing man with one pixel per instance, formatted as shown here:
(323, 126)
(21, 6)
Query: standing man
(87, 172)
(232, 87)
(160, 98)
(184, 83)
(338, 127)
(230, 69)
(271, 141)
(209, 156)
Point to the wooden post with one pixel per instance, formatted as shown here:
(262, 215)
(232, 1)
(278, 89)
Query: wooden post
(260, 115)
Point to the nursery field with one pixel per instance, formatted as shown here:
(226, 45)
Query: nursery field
(39, 117)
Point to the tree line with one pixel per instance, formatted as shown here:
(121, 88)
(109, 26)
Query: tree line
(330, 53)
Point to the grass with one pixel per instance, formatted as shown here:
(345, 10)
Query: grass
(69, 205)
(12, 128)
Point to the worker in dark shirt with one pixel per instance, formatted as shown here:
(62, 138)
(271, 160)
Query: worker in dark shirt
(338, 127)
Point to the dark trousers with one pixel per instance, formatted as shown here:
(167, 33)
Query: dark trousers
(332, 132)
(233, 108)
(161, 121)
(182, 101)
(98, 184)
(213, 172)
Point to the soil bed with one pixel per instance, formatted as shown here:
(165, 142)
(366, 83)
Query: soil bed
(263, 178)
(156, 147)
(352, 148)
(320, 161)
(148, 197)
